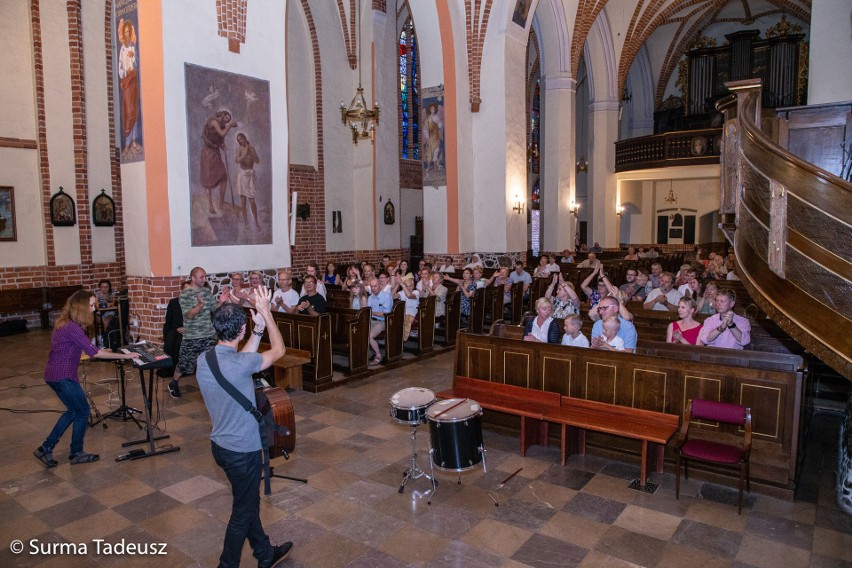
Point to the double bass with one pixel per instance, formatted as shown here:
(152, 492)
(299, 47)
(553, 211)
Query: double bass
(279, 419)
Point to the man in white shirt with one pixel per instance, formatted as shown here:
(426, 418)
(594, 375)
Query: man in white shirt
(590, 262)
(664, 298)
(285, 298)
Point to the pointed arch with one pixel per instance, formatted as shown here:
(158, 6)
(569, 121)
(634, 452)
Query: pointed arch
(408, 86)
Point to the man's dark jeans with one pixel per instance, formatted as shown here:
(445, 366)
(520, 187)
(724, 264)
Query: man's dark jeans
(72, 396)
(244, 472)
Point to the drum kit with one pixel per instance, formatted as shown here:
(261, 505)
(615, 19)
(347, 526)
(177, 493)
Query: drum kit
(455, 429)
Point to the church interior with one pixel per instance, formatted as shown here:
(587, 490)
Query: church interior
(300, 132)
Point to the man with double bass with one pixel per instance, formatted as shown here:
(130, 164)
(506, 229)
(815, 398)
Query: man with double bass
(235, 438)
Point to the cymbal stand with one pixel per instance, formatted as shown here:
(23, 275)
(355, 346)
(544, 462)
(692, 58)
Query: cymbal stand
(414, 472)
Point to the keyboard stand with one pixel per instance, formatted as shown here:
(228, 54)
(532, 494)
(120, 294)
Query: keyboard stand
(152, 450)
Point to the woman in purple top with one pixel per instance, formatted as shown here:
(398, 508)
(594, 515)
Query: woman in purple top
(68, 342)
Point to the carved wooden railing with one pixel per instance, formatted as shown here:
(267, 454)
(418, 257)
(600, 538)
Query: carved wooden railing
(791, 227)
(683, 148)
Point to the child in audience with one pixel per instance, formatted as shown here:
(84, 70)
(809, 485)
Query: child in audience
(357, 295)
(573, 337)
(611, 325)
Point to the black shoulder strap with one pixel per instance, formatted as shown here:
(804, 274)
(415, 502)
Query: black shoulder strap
(241, 399)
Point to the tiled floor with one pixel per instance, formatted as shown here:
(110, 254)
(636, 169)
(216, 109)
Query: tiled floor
(351, 514)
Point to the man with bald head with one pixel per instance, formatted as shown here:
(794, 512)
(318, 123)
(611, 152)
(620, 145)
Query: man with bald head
(590, 262)
(196, 304)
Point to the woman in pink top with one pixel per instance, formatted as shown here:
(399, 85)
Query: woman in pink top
(68, 342)
(685, 330)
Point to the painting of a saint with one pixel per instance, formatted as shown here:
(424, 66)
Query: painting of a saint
(130, 111)
(229, 148)
(433, 150)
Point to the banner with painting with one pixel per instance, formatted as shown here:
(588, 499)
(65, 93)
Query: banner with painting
(432, 148)
(126, 61)
(230, 156)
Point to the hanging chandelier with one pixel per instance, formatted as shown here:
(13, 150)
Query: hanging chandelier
(671, 198)
(361, 119)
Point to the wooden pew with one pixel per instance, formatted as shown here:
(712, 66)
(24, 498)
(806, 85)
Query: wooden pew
(350, 333)
(517, 306)
(452, 321)
(392, 335)
(311, 334)
(42, 300)
(425, 339)
(576, 416)
(477, 311)
(659, 384)
(530, 405)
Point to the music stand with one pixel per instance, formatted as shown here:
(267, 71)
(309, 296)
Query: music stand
(123, 412)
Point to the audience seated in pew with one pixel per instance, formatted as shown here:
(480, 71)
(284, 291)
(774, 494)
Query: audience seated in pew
(543, 268)
(610, 340)
(467, 288)
(725, 328)
(590, 262)
(312, 303)
(691, 287)
(353, 275)
(567, 257)
(542, 328)
(380, 304)
(358, 295)
(285, 299)
(566, 301)
(313, 270)
(665, 297)
(448, 265)
(435, 287)
(330, 276)
(519, 275)
(501, 280)
(406, 292)
(630, 286)
(654, 277)
(607, 307)
(573, 336)
(706, 304)
(685, 330)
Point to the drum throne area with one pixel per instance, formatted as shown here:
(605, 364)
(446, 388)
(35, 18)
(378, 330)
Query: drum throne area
(351, 514)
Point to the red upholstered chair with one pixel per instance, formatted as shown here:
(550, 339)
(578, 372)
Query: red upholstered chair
(714, 452)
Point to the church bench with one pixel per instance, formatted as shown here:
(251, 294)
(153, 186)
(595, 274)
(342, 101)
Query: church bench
(425, 326)
(452, 318)
(392, 335)
(311, 334)
(42, 300)
(660, 384)
(652, 429)
(530, 405)
(350, 333)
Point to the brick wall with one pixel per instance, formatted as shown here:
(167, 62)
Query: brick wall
(410, 174)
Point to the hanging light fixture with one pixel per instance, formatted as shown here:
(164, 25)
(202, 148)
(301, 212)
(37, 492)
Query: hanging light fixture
(361, 119)
(671, 198)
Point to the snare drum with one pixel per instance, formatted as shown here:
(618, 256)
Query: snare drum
(456, 434)
(408, 406)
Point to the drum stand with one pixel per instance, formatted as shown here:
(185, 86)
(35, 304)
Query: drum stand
(481, 450)
(414, 472)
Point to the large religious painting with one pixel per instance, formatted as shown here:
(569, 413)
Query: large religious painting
(522, 8)
(230, 158)
(432, 148)
(129, 120)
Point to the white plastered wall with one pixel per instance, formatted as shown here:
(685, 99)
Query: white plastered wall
(98, 135)
(59, 121)
(301, 88)
(830, 52)
(18, 166)
(189, 37)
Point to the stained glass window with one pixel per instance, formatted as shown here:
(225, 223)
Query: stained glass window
(409, 92)
(534, 150)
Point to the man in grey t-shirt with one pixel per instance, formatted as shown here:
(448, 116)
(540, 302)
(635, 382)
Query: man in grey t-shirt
(235, 438)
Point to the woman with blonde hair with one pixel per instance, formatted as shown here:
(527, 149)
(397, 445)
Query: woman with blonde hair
(543, 328)
(685, 330)
(68, 342)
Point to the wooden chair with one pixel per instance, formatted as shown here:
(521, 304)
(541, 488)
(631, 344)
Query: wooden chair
(715, 452)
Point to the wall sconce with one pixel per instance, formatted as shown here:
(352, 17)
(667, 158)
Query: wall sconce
(519, 205)
(582, 165)
(574, 208)
(619, 210)
(626, 96)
